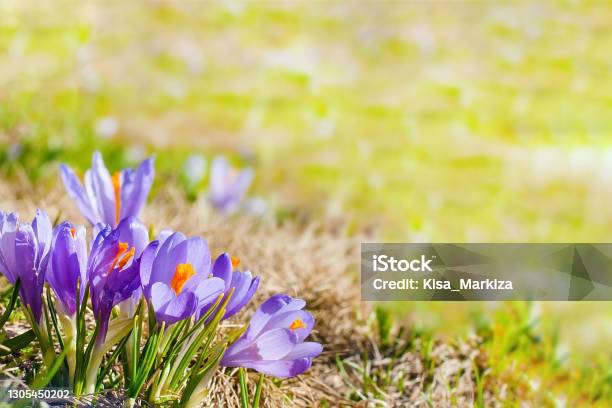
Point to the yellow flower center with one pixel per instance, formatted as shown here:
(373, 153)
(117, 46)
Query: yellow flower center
(297, 324)
(117, 190)
(182, 273)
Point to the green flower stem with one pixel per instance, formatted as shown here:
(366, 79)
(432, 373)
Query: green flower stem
(244, 392)
(129, 352)
(45, 345)
(257, 396)
(39, 329)
(11, 305)
(69, 327)
(166, 381)
(117, 330)
(200, 391)
(92, 370)
(159, 383)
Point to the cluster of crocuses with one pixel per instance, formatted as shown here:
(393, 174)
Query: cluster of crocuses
(156, 305)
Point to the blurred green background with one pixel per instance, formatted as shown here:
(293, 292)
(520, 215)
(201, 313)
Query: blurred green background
(420, 121)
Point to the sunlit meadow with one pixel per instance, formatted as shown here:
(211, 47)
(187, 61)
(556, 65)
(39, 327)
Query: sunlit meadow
(403, 121)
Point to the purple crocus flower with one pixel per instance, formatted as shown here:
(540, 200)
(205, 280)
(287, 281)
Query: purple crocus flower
(243, 283)
(109, 199)
(68, 265)
(113, 269)
(175, 277)
(24, 253)
(274, 341)
(136, 235)
(227, 185)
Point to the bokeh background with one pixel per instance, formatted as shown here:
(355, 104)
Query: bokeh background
(441, 121)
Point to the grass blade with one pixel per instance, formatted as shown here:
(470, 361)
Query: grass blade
(244, 392)
(257, 396)
(16, 343)
(11, 305)
(45, 378)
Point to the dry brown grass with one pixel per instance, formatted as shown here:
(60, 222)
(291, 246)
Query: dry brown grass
(315, 262)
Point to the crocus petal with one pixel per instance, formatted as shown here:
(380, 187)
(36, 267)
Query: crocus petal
(103, 253)
(77, 193)
(64, 271)
(102, 187)
(134, 233)
(309, 349)
(7, 246)
(146, 265)
(286, 319)
(195, 251)
(219, 170)
(206, 291)
(227, 187)
(97, 197)
(80, 243)
(31, 282)
(275, 304)
(161, 294)
(242, 182)
(281, 368)
(246, 287)
(136, 187)
(43, 230)
(110, 282)
(271, 345)
(165, 261)
(128, 307)
(170, 308)
(275, 346)
(163, 235)
(222, 268)
(122, 283)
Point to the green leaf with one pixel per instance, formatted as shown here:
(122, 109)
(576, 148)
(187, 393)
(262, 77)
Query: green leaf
(257, 396)
(170, 343)
(244, 392)
(202, 320)
(146, 363)
(11, 305)
(200, 378)
(15, 344)
(111, 361)
(53, 315)
(45, 378)
(152, 321)
(204, 338)
(135, 343)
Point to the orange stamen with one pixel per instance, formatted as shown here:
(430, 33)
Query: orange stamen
(117, 190)
(73, 232)
(122, 249)
(297, 324)
(235, 261)
(182, 273)
(126, 258)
